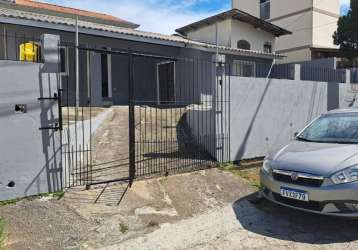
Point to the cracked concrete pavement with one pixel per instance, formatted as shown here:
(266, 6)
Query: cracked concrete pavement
(244, 226)
(207, 209)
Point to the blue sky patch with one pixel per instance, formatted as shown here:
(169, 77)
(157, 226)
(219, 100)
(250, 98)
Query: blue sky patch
(162, 16)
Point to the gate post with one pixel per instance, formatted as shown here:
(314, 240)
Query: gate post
(220, 108)
(131, 120)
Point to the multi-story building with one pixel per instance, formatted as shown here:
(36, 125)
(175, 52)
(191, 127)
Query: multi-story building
(312, 23)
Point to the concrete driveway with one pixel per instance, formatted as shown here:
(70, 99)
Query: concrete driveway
(207, 209)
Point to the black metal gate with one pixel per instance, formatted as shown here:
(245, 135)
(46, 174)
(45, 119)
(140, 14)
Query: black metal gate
(175, 119)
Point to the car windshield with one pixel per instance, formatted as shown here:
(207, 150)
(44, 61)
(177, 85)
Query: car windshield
(332, 128)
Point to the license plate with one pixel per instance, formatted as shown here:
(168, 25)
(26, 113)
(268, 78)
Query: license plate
(294, 194)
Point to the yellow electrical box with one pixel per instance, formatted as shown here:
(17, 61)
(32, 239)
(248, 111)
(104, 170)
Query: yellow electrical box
(29, 52)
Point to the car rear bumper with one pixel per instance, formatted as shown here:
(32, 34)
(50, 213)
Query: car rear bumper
(334, 200)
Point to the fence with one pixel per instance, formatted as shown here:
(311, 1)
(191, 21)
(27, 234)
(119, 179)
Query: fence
(290, 72)
(323, 74)
(20, 47)
(173, 120)
(354, 75)
(262, 70)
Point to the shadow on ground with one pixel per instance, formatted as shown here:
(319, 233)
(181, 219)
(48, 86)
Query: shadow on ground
(267, 219)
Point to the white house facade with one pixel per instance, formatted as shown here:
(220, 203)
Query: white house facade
(235, 29)
(312, 23)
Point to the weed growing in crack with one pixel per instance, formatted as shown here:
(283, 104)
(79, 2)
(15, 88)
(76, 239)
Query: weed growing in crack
(123, 228)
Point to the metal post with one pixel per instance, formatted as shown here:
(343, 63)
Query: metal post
(77, 67)
(5, 43)
(217, 39)
(131, 120)
(297, 72)
(348, 76)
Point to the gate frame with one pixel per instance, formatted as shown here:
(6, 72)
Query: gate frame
(131, 104)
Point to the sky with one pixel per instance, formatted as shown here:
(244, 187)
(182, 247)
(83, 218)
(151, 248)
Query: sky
(162, 16)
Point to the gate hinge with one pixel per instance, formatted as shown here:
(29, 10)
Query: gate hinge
(56, 127)
(55, 98)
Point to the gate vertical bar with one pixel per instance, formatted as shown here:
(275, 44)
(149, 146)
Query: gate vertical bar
(131, 120)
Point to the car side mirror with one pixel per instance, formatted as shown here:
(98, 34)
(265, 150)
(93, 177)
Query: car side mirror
(295, 134)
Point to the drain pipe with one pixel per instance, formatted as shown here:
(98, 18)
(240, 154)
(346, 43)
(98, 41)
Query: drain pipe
(217, 40)
(269, 73)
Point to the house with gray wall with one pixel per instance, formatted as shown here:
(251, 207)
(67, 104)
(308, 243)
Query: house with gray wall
(24, 21)
(179, 69)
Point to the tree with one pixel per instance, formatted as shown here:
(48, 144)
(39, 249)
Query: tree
(346, 35)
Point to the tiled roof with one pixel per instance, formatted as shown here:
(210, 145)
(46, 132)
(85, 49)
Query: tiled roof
(34, 5)
(25, 15)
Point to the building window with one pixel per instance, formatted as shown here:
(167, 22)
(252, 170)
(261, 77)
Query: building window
(166, 82)
(244, 68)
(268, 47)
(265, 8)
(243, 44)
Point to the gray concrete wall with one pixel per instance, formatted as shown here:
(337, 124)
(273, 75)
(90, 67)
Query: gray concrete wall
(30, 158)
(265, 114)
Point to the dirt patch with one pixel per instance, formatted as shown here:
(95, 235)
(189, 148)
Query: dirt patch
(111, 214)
(209, 209)
(43, 224)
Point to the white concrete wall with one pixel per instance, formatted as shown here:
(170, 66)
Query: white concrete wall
(324, 27)
(249, 6)
(265, 114)
(301, 27)
(230, 32)
(312, 23)
(207, 34)
(332, 6)
(284, 7)
(298, 55)
(257, 38)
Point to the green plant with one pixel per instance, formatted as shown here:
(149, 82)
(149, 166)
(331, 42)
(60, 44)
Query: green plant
(123, 228)
(9, 202)
(249, 173)
(2, 231)
(57, 195)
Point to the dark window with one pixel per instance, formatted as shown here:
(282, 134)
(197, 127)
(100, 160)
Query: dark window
(265, 8)
(244, 68)
(268, 47)
(166, 82)
(104, 63)
(63, 60)
(243, 44)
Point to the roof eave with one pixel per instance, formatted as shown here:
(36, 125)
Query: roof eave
(185, 43)
(119, 23)
(235, 14)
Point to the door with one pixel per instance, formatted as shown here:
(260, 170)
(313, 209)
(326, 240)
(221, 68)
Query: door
(166, 82)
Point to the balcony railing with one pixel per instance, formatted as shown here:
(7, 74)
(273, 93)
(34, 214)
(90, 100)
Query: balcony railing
(265, 9)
